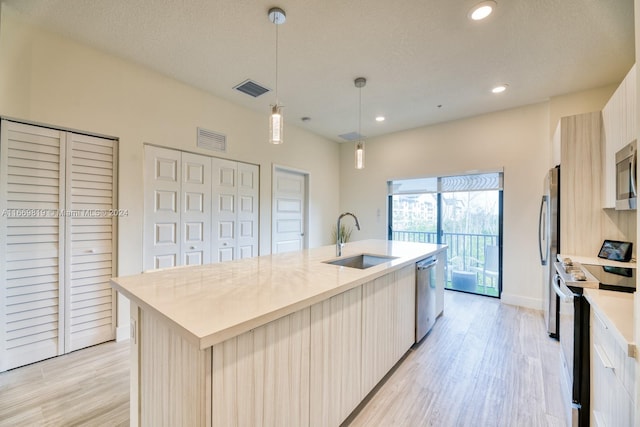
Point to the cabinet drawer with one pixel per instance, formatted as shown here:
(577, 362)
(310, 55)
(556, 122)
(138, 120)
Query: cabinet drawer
(606, 351)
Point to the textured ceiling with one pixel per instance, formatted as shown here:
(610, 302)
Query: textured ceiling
(417, 55)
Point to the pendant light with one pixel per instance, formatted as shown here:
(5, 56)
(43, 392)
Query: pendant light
(360, 82)
(276, 16)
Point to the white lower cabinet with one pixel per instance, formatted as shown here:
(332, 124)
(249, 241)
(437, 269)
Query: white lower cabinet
(612, 378)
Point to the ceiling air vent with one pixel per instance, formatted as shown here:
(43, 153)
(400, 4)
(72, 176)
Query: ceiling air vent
(351, 136)
(251, 88)
(212, 140)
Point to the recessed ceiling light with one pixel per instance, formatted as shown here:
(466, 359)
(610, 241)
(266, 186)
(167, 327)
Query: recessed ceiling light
(380, 119)
(482, 10)
(499, 88)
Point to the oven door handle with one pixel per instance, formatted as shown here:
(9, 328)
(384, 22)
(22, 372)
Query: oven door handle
(556, 287)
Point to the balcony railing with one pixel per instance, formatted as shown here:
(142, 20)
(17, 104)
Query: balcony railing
(466, 253)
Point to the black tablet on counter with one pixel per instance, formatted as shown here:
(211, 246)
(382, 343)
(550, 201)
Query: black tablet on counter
(616, 250)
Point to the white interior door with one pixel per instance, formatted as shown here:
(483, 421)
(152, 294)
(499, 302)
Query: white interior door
(289, 211)
(162, 199)
(196, 209)
(225, 190)
(31, 249)
(90, 238)
(248, 194)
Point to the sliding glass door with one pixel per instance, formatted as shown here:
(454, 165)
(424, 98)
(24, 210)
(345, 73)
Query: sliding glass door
(464, 212)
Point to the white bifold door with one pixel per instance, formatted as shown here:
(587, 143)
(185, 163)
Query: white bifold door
(57, 242)
(198, 209)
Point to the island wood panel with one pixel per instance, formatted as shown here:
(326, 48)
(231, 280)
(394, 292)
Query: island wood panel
(261, 377)
(173, 375)
(336, 353)
(274, 374)
(404, 296)
(388, 322)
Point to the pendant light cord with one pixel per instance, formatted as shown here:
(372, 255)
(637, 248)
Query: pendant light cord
(277, 24)
(360, 115)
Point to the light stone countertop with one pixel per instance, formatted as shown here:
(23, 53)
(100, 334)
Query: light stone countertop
(615, 309)
(211, 303)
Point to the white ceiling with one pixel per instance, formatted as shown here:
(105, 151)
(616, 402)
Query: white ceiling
(417, 55)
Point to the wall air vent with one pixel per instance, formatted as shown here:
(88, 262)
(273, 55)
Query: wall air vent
(251, 88)
(351, 136)
(212, 140)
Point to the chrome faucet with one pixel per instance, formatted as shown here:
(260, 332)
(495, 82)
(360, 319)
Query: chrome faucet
(339, 243)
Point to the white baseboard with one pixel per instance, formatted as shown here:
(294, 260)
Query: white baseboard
(123, 333)
(520, 301)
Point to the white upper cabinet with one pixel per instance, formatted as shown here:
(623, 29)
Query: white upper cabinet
(619, 122)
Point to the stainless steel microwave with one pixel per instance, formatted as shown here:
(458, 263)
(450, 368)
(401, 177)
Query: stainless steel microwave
(626, 177)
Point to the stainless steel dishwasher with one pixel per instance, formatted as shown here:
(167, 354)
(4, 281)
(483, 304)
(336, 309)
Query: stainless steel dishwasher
(425, 296)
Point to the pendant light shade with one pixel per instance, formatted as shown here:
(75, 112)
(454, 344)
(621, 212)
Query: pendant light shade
(360, 155)
(275, 125)
(360, 82)
(276, 122)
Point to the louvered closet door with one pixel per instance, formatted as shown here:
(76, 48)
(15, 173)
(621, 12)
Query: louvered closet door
(225, 189)
(162, 173)
(196, 209)
(31, 264)
(90, 239)
(248, 192)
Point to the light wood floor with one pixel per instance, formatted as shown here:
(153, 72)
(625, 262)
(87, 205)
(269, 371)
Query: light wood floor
(483, 364)
(87, 387)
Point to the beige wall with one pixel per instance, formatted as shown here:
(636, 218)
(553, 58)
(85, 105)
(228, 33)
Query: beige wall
(516, 140)
(49, 79)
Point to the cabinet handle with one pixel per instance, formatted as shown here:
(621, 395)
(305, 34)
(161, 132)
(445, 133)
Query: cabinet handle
(597, 415)
(603, 357)
(597, 316)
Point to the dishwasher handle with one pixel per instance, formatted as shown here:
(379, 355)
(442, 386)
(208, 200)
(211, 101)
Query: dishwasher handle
(426, 264)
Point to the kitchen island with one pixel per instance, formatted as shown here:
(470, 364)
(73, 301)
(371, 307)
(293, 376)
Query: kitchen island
(283, 339)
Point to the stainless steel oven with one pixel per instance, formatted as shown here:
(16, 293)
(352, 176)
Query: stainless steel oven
(573, 328)
(574, 344)
(567, 302)
(626, 177)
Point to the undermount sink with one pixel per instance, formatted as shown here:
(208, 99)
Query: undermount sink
(361, 261)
